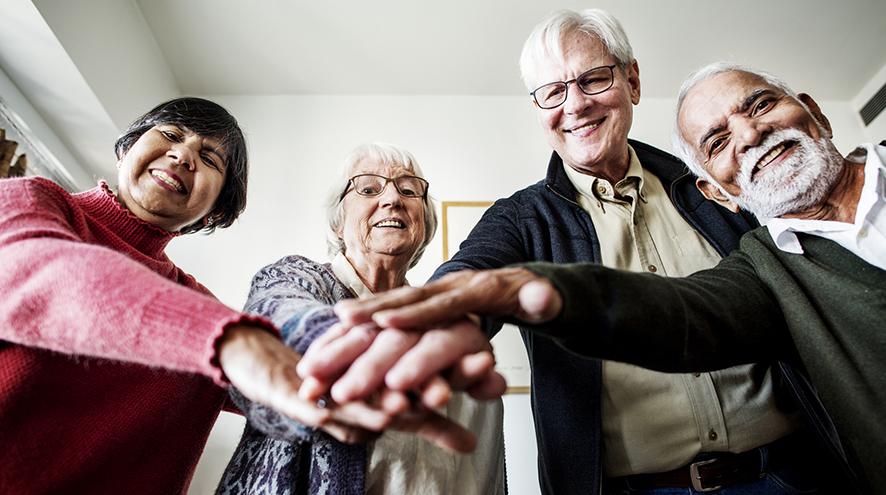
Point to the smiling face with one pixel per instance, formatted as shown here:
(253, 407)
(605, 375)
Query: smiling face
(590, 132)
(764, 150)
(171, 177)
(378, 227)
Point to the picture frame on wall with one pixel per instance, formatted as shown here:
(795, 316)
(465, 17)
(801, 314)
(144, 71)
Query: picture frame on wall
(457, 220)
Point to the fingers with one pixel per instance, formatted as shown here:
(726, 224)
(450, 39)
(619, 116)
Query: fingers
(367, 373)
(492, 386)
(262, 368)
(354, 312)
(539, 302)
(350, 434)
(437, 429)
(331, 355)
(437, 350)
(436, 392)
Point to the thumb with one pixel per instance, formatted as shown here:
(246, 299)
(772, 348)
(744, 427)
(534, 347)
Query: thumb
(539, 302)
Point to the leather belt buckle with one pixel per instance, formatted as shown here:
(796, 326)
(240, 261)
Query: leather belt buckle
(696, 479)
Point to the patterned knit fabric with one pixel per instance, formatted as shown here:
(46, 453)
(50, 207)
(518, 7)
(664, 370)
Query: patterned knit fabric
(277, 455)
(107, 349)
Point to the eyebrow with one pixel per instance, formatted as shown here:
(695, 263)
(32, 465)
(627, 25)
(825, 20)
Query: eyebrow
(745, 105)
(218, 150)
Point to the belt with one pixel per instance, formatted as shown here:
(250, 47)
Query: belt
(719, 470)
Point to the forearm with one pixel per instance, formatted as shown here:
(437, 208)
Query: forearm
(82, 299)
(711, 320)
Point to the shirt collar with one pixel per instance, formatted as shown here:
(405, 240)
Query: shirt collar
(343, 270)
(601, 189)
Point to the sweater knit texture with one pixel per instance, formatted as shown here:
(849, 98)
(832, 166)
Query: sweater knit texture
(109, 381)
(276, 455)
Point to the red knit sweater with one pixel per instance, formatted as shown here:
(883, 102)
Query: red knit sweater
(107, 355)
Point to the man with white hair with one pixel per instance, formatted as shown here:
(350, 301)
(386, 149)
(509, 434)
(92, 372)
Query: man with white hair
(806, 291)
(624, 204)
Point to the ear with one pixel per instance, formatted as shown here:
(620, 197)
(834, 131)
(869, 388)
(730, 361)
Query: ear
(816, 113)
(632, 71)
(714, 193)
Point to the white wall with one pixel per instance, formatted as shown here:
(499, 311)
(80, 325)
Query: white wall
(471, 148)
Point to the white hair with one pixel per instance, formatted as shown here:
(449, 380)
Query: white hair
(682, 148)
(546, 39)
(383, 154)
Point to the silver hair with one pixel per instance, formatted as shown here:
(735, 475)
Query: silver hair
(682, 148)
(384, 154)
(546, 39)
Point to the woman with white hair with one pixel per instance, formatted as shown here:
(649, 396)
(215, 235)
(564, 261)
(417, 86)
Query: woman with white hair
(380, 221)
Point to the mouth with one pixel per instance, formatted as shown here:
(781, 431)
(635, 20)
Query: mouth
(169, 181)
(585, 129)
(390, 223)
(781, 149)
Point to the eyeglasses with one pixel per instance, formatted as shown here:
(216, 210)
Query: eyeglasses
(592, 82)
(408, 186)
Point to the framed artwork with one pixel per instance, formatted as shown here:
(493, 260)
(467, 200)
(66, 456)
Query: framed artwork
(458, 218)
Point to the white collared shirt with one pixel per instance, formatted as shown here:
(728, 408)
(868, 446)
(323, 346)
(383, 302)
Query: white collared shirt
(866, 237)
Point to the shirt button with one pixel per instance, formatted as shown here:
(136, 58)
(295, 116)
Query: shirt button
(863, 233)
(712, 435)
(601, 189)
(652, 268)
(697, 375)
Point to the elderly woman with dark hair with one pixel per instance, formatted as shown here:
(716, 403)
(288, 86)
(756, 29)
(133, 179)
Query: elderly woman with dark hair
(112, 359)
(380, 221)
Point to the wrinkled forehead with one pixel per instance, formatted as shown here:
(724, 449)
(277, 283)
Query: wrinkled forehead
(710, 102)
(370, 165)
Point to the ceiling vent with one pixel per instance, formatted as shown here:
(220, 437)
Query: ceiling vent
(874, 106)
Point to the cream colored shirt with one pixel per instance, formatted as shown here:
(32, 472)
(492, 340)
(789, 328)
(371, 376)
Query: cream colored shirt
(400, 463)
(654, 421)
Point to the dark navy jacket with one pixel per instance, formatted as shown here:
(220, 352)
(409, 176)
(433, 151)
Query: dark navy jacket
(544, 223)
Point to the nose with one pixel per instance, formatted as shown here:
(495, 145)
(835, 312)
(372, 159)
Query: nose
(183, 154)
(389, 196)
(576, 101)
(748, 133)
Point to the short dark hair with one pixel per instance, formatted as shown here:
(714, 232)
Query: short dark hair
(207, 119)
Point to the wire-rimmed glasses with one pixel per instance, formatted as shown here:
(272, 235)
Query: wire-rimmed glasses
(369, 185)
(591, 82)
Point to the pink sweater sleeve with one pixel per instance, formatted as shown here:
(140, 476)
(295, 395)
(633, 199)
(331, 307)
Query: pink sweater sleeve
(64, 294)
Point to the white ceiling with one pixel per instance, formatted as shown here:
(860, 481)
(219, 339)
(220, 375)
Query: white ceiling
(90, 66)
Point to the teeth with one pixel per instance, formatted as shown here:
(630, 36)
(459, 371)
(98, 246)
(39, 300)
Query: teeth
(589, 126)
(768, 157)
(169, 180)
(390, 223)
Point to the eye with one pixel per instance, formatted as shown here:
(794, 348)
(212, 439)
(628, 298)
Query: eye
(209, 159)
(715, 144)
(762, 105)
(171, 135)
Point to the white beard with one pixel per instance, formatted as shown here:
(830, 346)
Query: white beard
(800, 182)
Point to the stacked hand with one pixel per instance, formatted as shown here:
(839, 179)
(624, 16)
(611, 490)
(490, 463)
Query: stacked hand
(393, 359)
(424, 339)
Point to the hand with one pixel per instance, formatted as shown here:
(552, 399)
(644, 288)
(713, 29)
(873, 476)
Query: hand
(363, 359)
(515, 292)
(262, 368)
